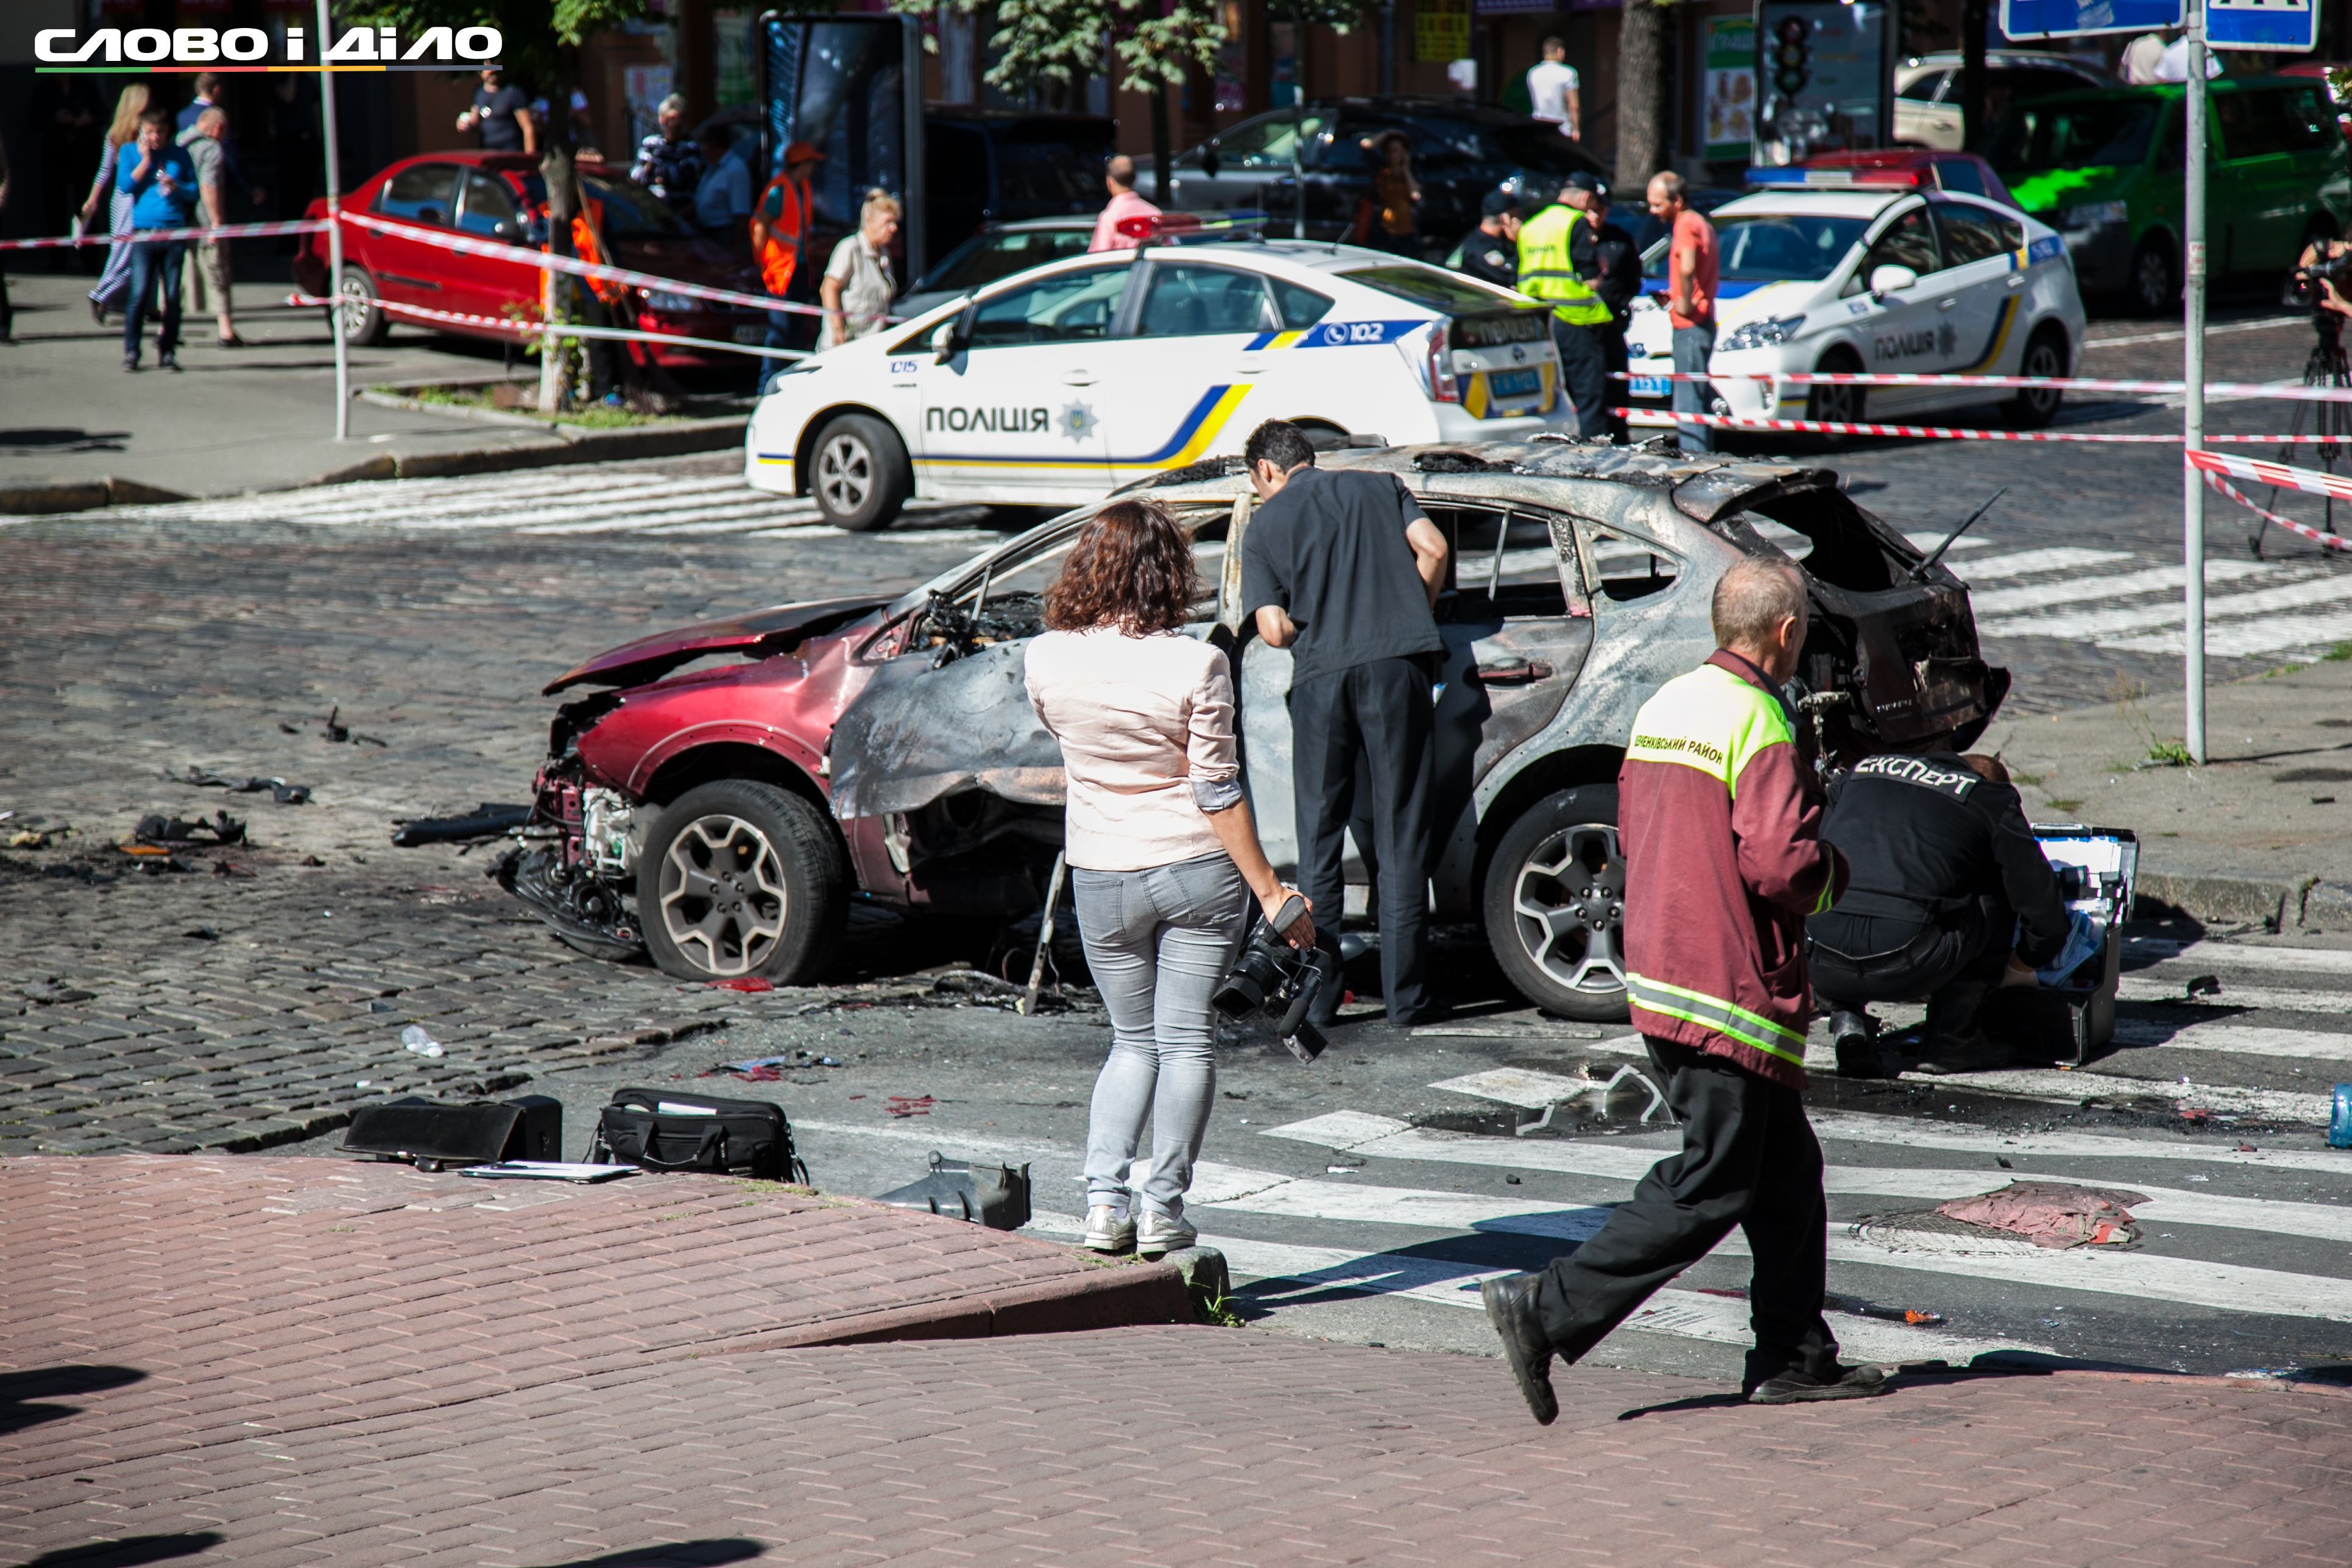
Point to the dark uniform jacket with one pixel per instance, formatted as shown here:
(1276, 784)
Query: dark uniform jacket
(1491, 257)
(1620, 271)
(1927, 836)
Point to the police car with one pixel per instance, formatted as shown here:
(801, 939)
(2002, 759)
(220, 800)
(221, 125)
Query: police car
(1880, 276)
(1057, 386)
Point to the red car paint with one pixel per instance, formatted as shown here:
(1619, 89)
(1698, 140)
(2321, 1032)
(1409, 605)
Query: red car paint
(412, 272)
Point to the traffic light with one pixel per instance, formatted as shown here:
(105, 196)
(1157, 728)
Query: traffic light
(1793, 56)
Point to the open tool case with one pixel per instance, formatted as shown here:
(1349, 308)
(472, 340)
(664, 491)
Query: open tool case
(2097, 867)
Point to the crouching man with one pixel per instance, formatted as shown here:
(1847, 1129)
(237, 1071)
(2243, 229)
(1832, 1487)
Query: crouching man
(1724, 860)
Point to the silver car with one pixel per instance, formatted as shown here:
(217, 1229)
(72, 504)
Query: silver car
(1927, 91)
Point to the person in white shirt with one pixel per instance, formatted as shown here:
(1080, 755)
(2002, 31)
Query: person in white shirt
(2142, 57)
(858, 287)
(2174, 67)
(1553, 89)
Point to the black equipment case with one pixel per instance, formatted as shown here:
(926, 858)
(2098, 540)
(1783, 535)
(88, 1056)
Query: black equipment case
(435, 1133)
(667, 1129)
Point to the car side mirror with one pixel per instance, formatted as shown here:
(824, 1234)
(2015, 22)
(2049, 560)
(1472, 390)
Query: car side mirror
(943, 342)
(1891, 278)
(1209, 161)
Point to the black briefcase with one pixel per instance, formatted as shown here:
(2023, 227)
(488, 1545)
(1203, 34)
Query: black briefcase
(667, 1130)
(436, 1134)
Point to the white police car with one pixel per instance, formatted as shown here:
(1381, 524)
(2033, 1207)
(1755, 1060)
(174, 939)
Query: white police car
(1879, 277)
(1060, 383)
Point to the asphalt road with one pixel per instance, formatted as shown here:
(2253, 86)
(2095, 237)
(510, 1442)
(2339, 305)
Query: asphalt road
(250, 1006)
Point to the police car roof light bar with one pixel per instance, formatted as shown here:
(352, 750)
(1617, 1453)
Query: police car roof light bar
(1966, 523)
(1832, 179)
(1177, 229)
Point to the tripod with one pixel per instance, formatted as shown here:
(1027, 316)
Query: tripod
(2326, 366)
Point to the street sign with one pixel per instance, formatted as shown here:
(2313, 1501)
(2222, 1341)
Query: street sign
(2022, 19)
(2266, 25)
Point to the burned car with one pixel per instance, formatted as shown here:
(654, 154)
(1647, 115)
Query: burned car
(726, 792)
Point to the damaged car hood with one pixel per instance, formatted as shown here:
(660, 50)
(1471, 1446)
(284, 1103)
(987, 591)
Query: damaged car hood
(918, 733)
(754, 636)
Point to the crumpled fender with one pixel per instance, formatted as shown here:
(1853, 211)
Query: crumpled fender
(759, 634)
(917, 734)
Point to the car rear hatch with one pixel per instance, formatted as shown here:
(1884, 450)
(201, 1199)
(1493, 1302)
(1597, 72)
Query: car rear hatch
(1495, 364)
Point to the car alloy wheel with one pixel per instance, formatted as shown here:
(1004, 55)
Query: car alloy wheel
(1836, 405)
(859, 473)
(1570, 898)
(845, 473)
(2153, 287)
(2034, 406)
(722, 896)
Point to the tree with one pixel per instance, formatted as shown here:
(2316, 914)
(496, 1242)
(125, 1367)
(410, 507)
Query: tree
(1640, 73)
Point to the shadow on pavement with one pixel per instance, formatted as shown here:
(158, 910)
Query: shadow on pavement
(131, 1553)
(20, 1390)
(54, 438)
(1992, 1364)
(674, 1555)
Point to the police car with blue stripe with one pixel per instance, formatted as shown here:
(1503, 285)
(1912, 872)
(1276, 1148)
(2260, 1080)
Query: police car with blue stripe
(1058, 385)
(1852, 270)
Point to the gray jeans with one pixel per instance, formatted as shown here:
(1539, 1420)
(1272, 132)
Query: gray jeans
(1693, 346)
(1158, 942)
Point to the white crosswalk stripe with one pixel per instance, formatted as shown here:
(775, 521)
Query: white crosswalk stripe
(2027, 563)
(2107, 623)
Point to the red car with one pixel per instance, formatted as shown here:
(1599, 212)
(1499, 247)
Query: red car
(500, 196)
(1915, 168)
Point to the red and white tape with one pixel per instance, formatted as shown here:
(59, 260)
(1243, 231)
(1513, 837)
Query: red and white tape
(2279, 476)
(2213, 389)
(2318, 536)
(533, 326)
(1951, 433)
(227, 231)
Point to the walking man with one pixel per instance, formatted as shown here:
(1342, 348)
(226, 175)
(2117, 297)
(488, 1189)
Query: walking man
(1118, 179)
(208, 283)
(500, 115)
(1691, 280)
(1719, 821)
(779, 229)
(1552, 90)
(1343, 569)
(162, 182)
(1559, 261)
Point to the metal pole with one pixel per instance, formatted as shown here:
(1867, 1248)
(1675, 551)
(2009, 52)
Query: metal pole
(1298, 121)
(334, 231)
(2192, 408)
(1044, 937)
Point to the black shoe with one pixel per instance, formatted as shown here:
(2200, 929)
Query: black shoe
(131, 366)
(1511, 1308)
(167, 362)
(1796, 1387)
(1856, 1039)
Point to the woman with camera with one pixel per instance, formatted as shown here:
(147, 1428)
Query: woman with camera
(1164, 853)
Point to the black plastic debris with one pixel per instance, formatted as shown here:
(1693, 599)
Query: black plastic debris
(339, 733)
(488, 820)
(284, 794)
(158, 830)
(996, 1197)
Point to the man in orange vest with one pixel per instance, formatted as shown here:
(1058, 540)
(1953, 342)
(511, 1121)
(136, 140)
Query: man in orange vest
(780, 228)
(605, 306)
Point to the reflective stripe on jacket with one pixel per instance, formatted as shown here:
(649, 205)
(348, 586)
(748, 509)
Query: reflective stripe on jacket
(779, 256)
(1547, 269)
(1720, 822)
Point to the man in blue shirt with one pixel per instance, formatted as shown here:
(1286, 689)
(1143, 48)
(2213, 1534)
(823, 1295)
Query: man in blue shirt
(208, 96)
(161, 181)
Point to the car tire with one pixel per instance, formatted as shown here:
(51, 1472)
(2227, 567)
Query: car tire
(1554, 905)
(2154, 286)
(1838, 404)
(738, 878)
(2045, 355)
(859, 474)
(366, 323)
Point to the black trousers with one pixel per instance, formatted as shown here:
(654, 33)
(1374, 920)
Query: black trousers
(1377, 716)
(1860, 958)
(1583, 375)
(1613, 361)
(1748, 1159)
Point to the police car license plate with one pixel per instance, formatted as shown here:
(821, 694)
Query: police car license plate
(1651, 386)
(1514, 384)
(750, 335)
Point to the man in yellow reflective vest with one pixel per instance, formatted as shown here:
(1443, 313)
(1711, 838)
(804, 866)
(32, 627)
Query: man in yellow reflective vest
(1558, 262)
(1720, 825)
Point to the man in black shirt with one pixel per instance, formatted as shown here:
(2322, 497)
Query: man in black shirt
(1619, 285)
(502, 113)
(1950, 895)
(1491, 251)
(1342, 569)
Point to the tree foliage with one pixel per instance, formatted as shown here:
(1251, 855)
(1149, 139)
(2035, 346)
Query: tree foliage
(1045, 46)
(542, 36)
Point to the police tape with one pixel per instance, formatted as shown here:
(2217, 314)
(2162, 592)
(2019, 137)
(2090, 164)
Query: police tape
(2291, 392)
(2278, 476)
(2318, 536)
(159, 236)
(533, 326)
(541, 260)
(1954, 433)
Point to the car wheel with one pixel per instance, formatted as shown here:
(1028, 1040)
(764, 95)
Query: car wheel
(2035, 406)
(740, 877)
(2154, 279)
(1836, 405)
(859, 473)
(365, 324)
(1555, 905)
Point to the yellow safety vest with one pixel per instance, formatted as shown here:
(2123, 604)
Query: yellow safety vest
(1547, 273)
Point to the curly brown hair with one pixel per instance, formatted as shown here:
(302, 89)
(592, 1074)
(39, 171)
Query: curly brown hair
(1131, 568)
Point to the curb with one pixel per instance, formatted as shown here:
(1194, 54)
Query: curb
(566, 444)
(1114, 1297)
(2225, 900)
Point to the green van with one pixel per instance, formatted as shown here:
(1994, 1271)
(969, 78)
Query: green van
(2105, 169)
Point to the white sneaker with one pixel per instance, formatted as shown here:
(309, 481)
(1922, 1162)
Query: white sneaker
(1158, 1234)
(1108, 1230)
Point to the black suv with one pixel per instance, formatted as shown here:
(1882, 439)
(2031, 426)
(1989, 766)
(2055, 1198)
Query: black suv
(1460, 152)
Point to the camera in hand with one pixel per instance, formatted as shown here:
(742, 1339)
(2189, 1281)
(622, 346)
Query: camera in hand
(1280, 981)
(2304, 286)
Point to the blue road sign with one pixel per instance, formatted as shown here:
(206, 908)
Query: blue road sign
(2022, 19)
(2266, 25)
